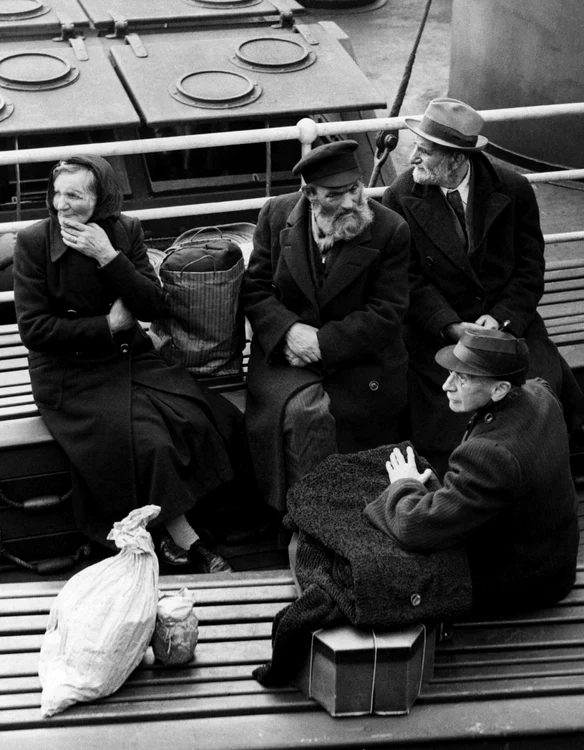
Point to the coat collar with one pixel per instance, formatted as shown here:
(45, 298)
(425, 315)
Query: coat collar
(57, 247)
(354, 256)
(486, 202)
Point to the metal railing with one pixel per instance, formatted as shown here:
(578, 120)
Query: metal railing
(306, 131)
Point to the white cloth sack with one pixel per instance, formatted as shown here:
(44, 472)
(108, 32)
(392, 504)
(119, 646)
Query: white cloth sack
(102, 620)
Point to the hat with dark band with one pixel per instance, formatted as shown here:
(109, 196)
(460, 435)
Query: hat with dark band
(330, 165)
(450, 123)
(492, 353)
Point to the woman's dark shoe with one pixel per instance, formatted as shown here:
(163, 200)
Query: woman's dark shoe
(170, 553)
(205, 561)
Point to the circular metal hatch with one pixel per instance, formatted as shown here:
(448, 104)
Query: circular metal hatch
(223, 4)
(20, 10)
(215, 89)
(6, 108)
(271, 54)
(36, 71)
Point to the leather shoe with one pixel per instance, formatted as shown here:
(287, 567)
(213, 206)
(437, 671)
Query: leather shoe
(203, 560)
(170, 553)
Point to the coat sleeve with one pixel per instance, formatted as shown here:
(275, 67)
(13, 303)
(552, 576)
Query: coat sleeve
(268, 316)
(41, 328)
(429, 308)
(377, 324)
(482, 479)
(519, 298)
(130, 275)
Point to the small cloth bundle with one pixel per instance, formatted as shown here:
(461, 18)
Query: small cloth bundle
(102, 621)
(177, 629)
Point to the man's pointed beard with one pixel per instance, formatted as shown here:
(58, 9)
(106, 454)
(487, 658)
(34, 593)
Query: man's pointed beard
(342, 225)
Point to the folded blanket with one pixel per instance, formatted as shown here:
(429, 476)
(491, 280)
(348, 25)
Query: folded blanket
(350, 571)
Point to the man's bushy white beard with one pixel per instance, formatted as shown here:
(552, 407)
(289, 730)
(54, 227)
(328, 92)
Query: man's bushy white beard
(440, 175)
(341, 225)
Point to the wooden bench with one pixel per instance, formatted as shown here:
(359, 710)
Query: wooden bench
(513, 684)
(562, 308)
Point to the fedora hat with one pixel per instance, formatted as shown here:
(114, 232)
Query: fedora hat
(330, 165)
(492, 353)
(450, 123)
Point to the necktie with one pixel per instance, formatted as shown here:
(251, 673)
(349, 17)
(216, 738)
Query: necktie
(453, 197)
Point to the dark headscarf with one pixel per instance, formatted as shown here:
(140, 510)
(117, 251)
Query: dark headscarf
(108, 192)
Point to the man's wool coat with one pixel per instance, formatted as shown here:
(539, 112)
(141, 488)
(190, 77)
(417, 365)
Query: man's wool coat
(359, 312)
(508, 498)
(501, 274)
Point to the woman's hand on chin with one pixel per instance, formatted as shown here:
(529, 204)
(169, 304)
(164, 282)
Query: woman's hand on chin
(88, 239)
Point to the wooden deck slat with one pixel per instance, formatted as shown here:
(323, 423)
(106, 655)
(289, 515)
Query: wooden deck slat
(554, 298)
(564, 284)
(131, 694)
(503, 688)
(223, 586)
(237, 613)
(210, 633)
(208, 654)
(103, 712)
(156, 674)
(17, 350)
(568, 338)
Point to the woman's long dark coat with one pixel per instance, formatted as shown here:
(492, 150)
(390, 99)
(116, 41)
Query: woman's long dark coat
(136, 430)
(358, 310)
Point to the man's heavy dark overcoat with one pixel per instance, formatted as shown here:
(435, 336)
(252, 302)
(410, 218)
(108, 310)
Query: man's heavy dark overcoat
(359, 312)
(508, 497)
(500, 274)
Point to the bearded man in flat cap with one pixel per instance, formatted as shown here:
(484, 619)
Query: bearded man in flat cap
(477, 261)
(508, 494)
(325, 292)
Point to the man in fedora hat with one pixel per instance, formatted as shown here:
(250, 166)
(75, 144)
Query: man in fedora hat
(508, 494)
(325, 292)
(476, 262)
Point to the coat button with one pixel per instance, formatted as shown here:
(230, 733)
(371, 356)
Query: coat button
(489, 418)
(429, 261)
(78, 354)
(479, 297)
(124, 348)
(374, 385)
(416, 600)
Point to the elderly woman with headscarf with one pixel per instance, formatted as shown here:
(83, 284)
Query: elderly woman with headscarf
(135, 429)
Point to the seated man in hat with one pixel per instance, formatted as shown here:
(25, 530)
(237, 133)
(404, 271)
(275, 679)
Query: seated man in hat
(476, 262)
(325, 292)
(508, 494)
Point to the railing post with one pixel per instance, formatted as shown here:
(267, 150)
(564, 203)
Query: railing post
(307, 133)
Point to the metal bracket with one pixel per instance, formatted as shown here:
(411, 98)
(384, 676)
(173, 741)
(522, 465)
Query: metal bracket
(137, 45)
(121, 32)
(68, 35)
(120, 26)
(305, 31)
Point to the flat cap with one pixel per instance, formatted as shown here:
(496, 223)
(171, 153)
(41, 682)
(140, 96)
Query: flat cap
(330, 165)
(493, 353)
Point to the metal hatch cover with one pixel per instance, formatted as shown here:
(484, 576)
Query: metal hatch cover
(20, 18)
(273, 55)
(52, 91)
(215, 89)
(332, 83)
(154, 14)
(36, 71)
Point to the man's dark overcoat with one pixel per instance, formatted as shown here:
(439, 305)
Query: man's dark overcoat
(508, 497)
(501, 274)
(136, 430)
(358, 310)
